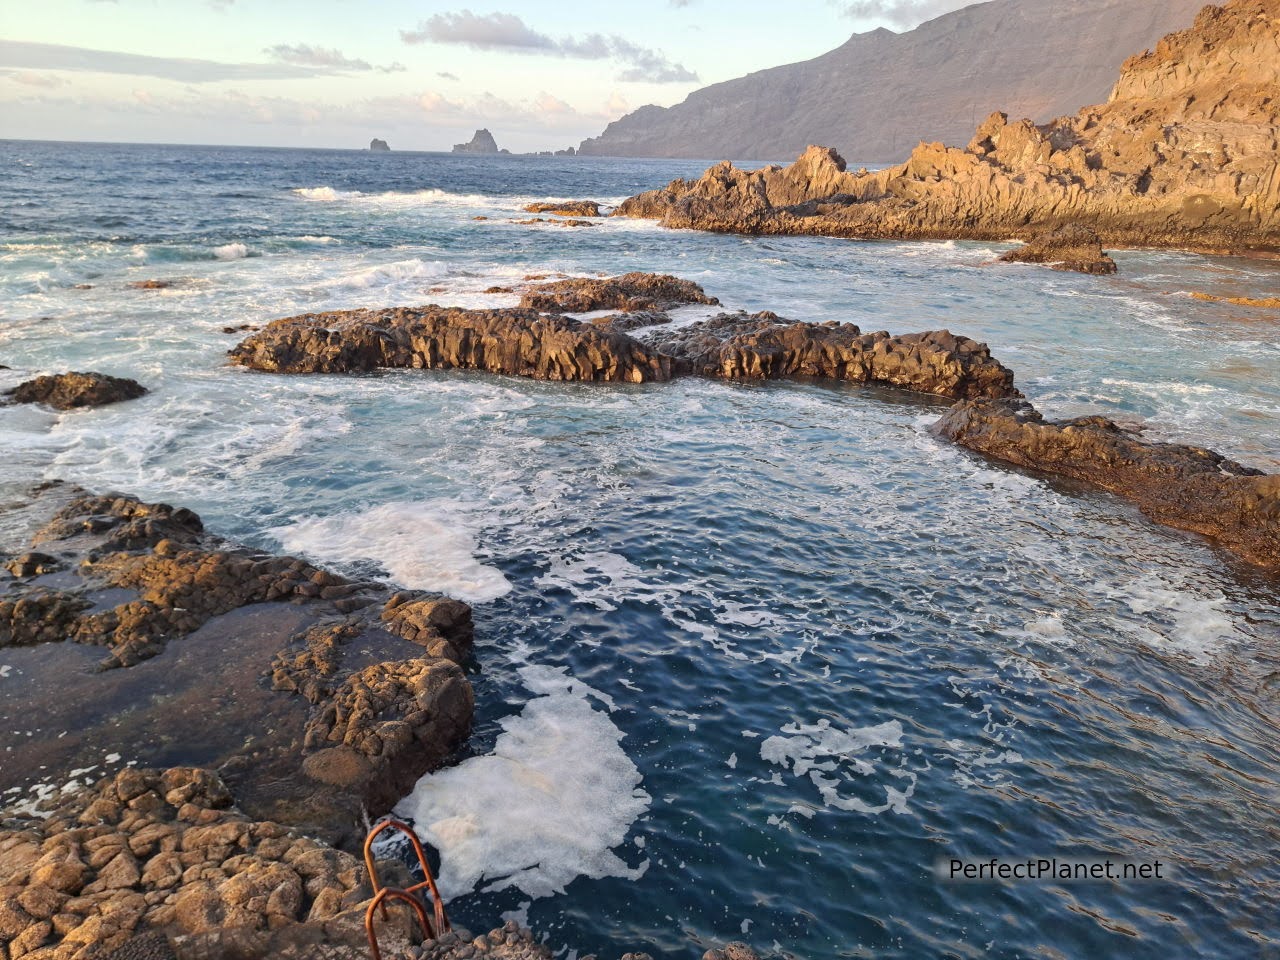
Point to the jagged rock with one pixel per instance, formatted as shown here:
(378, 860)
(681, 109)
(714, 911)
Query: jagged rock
(379, 146)
(152, 284)
(1185, 487)
(558, 223)
(626, 322)
(1071, 247)
(764, 346)
(515, 341)
(565, 208)
(1185, 153)
(629, 292)
(482, 142)
(32, 564)
(67, 391)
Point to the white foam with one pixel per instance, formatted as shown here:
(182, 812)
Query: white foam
(231, 251)
(5, 670)
(548, 805)
(423, 546)
(831, 757)
(325, 194)
(1198, 626)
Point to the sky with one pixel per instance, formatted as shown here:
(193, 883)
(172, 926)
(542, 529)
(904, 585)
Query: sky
(422, 76)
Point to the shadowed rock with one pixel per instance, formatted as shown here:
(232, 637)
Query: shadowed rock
(630, 292)
(1071, 247)
(764, 346)
(1185, 153)
(565, 208)
(515, 341)
(626, 322)
(68, 391)
(1185, 487)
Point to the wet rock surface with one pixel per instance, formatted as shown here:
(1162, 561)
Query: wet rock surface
(629, 293)
(1186, 487)
(68, 391)
(1071, 248)
(515, 341)
(565, 208)
(1185, 153)
(765, 346)
(363, 694)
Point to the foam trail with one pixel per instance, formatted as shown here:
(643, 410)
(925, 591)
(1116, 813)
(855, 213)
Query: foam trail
(548, 805)
(231, 251)
(421, 546)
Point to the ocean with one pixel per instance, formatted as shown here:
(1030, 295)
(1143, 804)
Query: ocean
(751, 658)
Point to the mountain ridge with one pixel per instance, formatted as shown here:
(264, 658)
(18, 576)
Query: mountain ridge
(1034, 58)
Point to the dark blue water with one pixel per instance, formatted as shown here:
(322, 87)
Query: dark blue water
(751, 658)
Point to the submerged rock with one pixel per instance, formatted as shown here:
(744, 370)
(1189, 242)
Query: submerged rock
(565, 208)
(1183, 154)
(68, 391)
(516, 341)
(1266, 303)
(1071, 247)
(1185, 487)
(630, 292)
(765, 346)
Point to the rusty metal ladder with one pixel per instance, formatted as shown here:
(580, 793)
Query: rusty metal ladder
(410, 895)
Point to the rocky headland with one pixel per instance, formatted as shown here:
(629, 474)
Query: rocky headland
(1185, 153)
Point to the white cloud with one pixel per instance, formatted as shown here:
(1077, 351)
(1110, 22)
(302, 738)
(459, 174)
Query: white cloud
(507, 32)
(903, 13)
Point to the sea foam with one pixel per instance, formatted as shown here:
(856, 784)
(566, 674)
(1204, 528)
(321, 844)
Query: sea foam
(548, 805)
(423, 547)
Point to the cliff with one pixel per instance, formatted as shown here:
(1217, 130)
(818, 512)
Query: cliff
(1185, 153)
(880, 93)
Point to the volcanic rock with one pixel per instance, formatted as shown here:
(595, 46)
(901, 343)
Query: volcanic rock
(379, 146)
(1070, 247)
(68, 391)
(764, 346)
(515, 341)
(1185, 153)
(566, 208)
(482, 142)
(1183, 486)
(630, 292)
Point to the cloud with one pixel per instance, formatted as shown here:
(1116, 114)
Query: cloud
(507, 32)
(23, 55)
(902, 13)
(446, 75)
(324, 58)
(31, 79)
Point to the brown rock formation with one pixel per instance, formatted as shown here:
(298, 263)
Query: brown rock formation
(519, 342)
(1185, 153)
(565, 208)
(1070, 247)
(523, 342)
(1266, 303)
(763, 346)
(67, 391)
(368, 695)
(558, 223)
(1185, 487)
(630, 292)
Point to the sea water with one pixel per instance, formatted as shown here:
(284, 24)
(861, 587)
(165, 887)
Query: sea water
(751, 658)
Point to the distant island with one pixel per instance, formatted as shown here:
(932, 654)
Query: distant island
(379, 146)
(482, 142)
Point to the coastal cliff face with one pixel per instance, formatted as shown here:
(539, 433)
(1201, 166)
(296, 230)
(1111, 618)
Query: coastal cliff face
(880, 93)
(1186, 152)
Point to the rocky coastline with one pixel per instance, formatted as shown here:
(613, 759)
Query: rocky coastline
(1184, 154)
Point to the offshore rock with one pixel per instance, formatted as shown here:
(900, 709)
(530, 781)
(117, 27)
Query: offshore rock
(1265, 303)
(379, 146)
(68, 391)
(515, 341)
(565, 208)
(629, 293)
(1071, 247)
(482, 142)
(764, 346)
(1182, 486)
(1185, 153)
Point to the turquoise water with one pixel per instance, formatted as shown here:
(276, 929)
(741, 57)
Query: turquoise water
(750, 658)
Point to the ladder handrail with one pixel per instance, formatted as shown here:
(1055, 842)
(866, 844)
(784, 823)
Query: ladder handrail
(410, 895)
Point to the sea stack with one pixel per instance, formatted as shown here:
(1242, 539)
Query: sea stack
(379, 146)
(482, 142)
